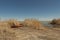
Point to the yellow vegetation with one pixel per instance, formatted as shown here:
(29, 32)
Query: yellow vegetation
(33, 23)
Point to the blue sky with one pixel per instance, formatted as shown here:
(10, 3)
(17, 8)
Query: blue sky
(21, 9)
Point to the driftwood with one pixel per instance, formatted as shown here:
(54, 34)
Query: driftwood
(14, 23)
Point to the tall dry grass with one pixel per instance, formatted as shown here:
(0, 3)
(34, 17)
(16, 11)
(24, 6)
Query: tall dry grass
(10, 23)
(33, 23)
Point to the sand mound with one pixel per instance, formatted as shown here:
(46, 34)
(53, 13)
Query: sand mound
(25, 33)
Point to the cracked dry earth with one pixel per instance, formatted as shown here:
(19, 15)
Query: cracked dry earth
(26, 33)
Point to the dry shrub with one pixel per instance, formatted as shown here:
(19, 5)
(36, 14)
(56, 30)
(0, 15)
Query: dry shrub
(55, 22)
(33, 23)
(28, 22)
(14, 23)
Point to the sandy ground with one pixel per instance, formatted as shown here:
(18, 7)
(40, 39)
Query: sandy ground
(26, 33)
